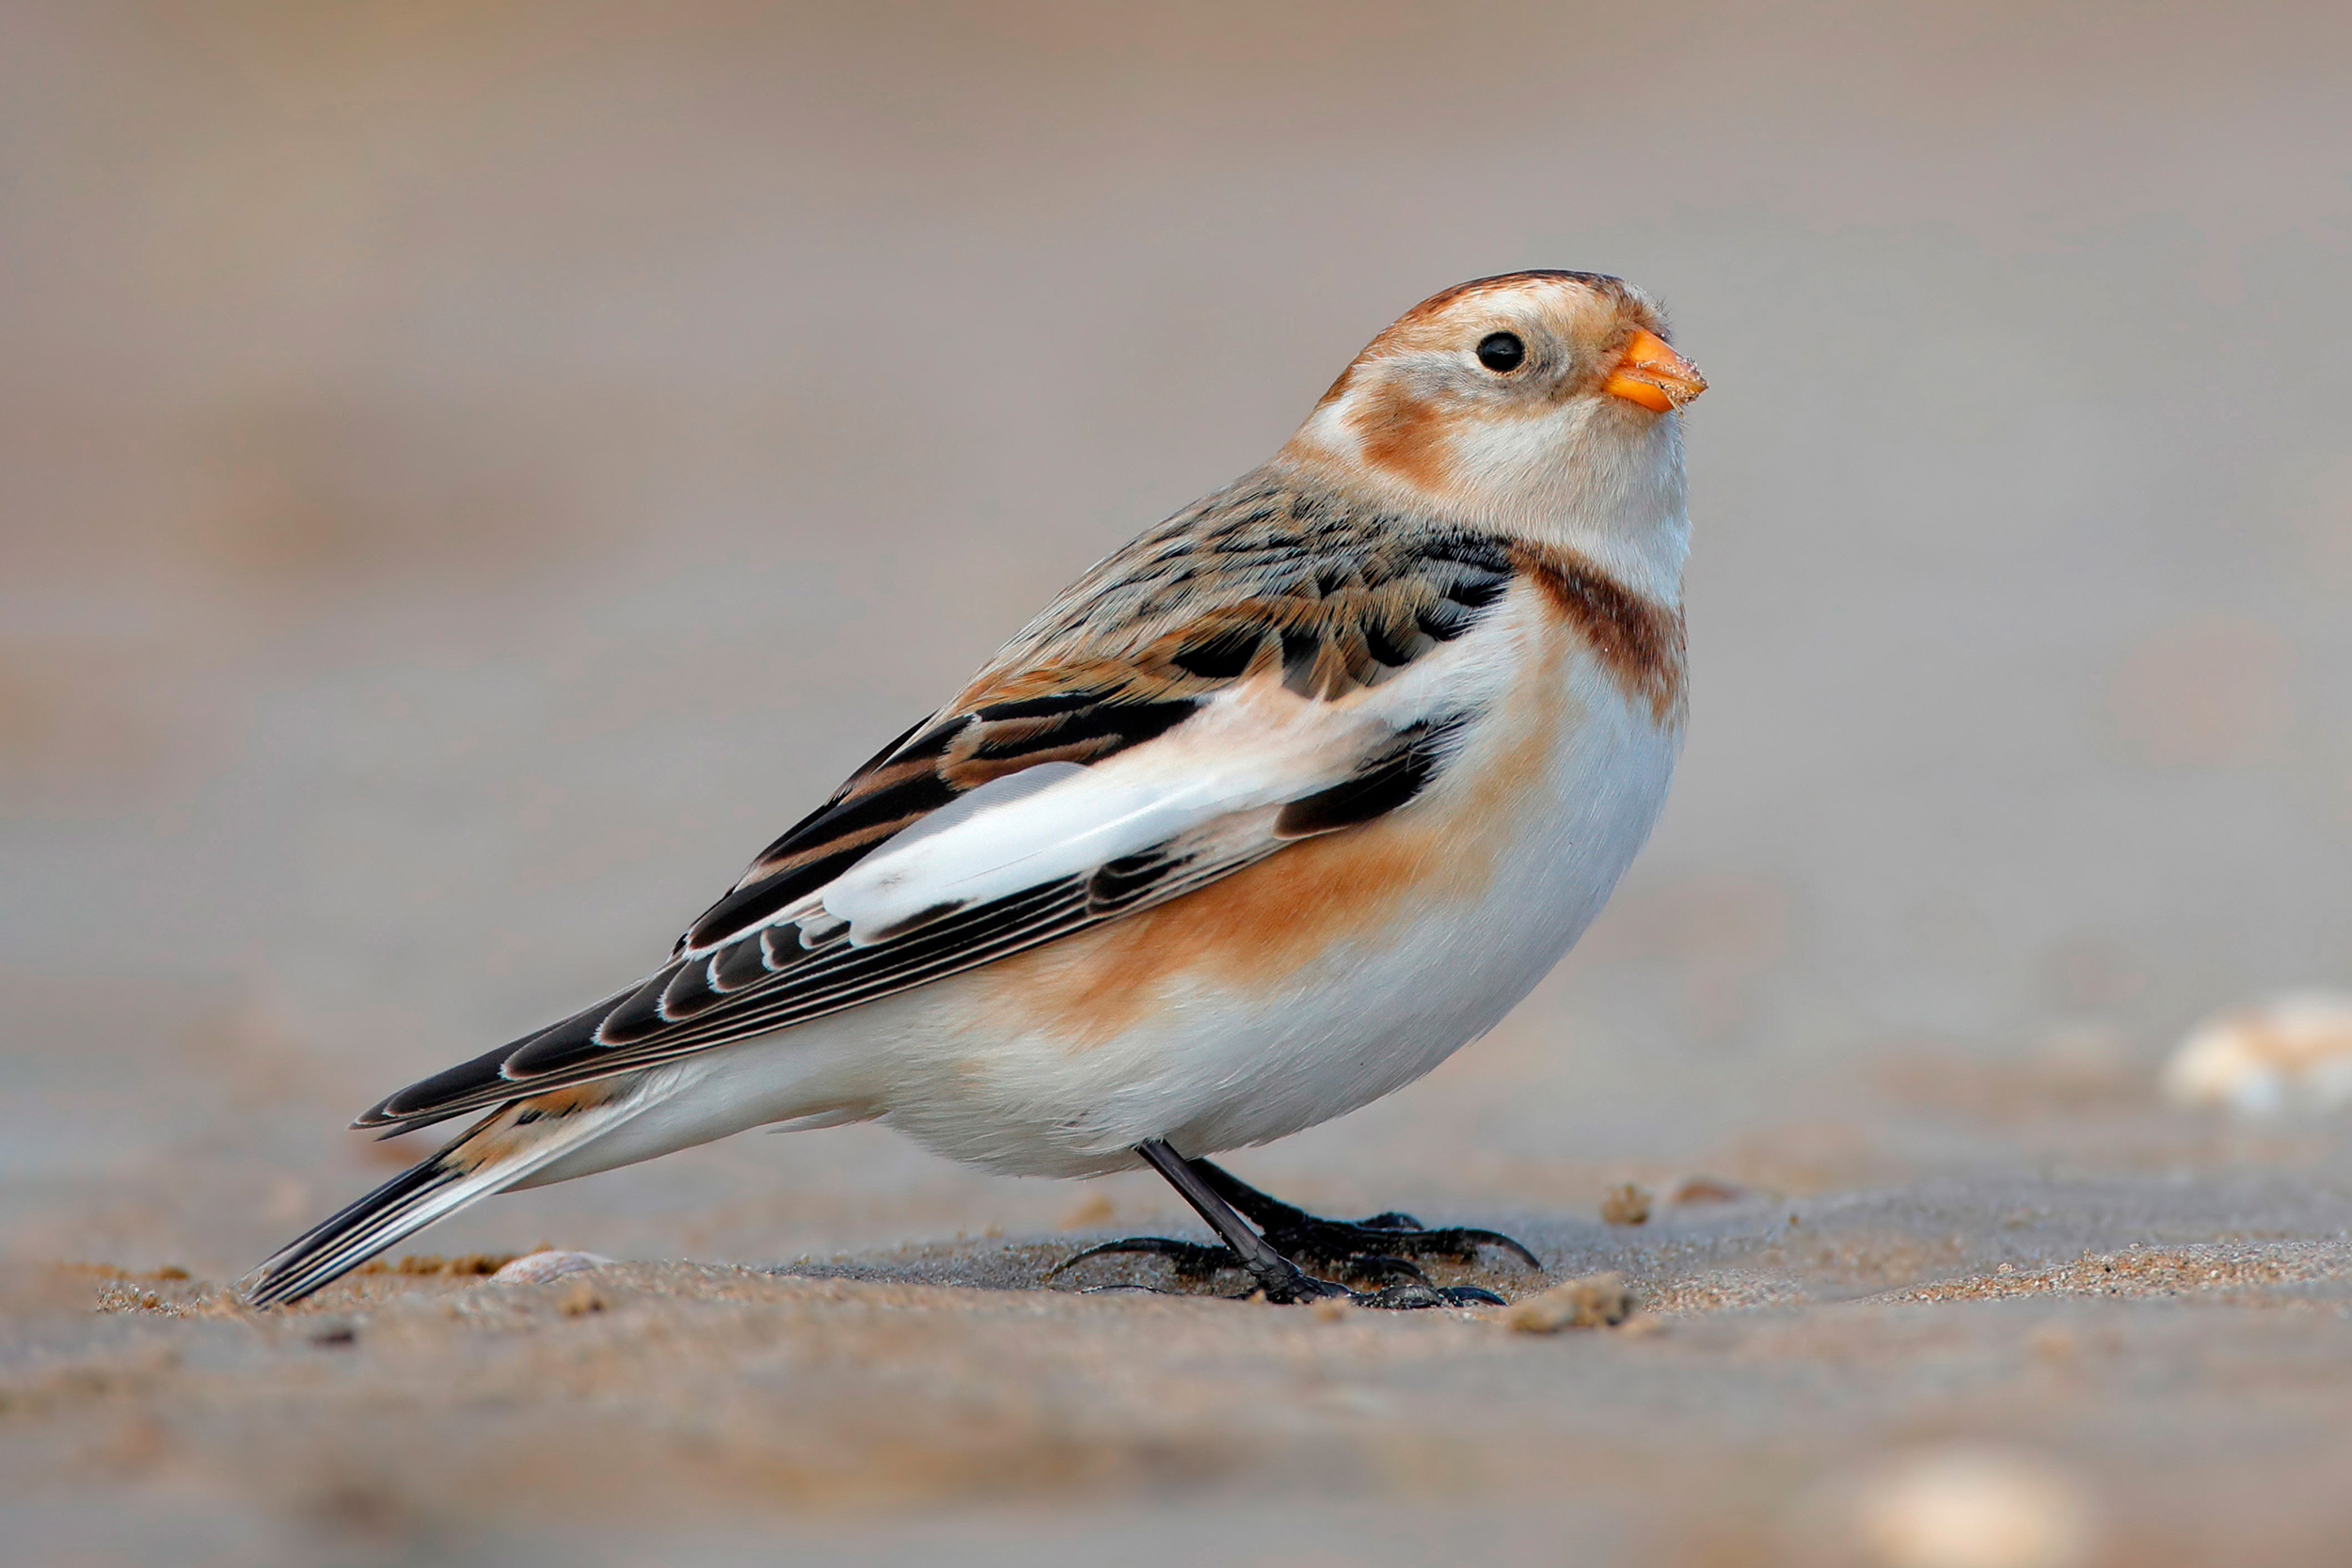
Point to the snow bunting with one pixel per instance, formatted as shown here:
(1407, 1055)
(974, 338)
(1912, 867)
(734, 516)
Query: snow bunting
(1264, 818)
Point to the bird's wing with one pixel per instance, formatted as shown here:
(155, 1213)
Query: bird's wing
(1237, 680)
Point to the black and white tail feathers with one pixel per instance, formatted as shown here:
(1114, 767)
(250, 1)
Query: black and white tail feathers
(504, 1147)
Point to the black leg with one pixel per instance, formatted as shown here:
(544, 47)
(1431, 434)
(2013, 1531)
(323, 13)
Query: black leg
(1282, 1281)
(1302, 1235)
(1216, 1195)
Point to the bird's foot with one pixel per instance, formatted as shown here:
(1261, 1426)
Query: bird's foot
(1379, 1240)
(1352, 1245)
(1407, 1290)
(1401, 1285)
(1374, 1251)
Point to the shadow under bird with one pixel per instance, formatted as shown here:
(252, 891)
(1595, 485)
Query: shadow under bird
(1264, 818)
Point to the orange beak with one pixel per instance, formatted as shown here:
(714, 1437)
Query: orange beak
(1654, 375)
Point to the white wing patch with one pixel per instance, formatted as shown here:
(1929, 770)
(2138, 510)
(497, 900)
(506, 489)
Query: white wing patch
(1252, 749)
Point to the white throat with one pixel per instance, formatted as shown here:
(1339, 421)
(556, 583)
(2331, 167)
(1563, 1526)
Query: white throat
(1602, 481)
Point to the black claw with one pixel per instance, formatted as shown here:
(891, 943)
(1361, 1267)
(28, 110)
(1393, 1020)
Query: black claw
(1192, 1259)
(1401, 1284)
(1380, 1250)
(1296, 1233)
(1470, 1295)
(1404, 1296)
(1406, 1289)
(1299, 1287)
(1342, 1241)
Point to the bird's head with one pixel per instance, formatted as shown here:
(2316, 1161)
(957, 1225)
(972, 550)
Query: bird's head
(1537, 403)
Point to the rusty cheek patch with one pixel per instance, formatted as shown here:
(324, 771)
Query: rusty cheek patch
(1639, 641)
(1404, 436)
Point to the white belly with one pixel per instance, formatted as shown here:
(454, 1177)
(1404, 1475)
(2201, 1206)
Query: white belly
(1062, 1061)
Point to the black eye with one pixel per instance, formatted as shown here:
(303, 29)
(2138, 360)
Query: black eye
(1501, 352)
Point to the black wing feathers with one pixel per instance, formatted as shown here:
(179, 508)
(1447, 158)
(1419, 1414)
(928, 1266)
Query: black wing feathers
(1386, 780)
(835, 836)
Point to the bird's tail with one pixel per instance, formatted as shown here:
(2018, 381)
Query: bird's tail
(503, 1148)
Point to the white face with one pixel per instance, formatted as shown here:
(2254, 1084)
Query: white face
(1540, 404)
(1498, 372)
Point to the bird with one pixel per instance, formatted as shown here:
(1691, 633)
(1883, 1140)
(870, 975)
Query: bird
(1269, 812)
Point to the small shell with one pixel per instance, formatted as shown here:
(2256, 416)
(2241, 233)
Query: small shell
(538, 1267)
(2291, 1054)
(1971, 1508)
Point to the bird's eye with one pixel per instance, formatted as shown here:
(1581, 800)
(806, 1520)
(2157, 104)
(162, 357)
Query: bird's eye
(1501, 352)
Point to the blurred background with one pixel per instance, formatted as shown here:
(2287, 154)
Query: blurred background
(470, 473)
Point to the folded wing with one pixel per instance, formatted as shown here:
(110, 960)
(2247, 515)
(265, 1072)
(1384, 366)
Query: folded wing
(1078, 780)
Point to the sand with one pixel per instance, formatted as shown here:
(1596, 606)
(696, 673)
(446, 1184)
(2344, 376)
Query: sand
(2169, 1361)
(470, 475)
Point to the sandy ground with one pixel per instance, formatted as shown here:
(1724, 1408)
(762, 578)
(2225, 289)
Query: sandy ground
(470, 474)
(2165, 1358)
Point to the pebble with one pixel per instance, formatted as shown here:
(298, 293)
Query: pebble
(538, 1267)
(2288, 1055)
(1708, 1189)
(1971, 1508)
(1595, 1300)
(1626, 1205)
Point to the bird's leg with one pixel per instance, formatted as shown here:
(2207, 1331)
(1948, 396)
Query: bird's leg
(1299, 1234)
(1281, 1279)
